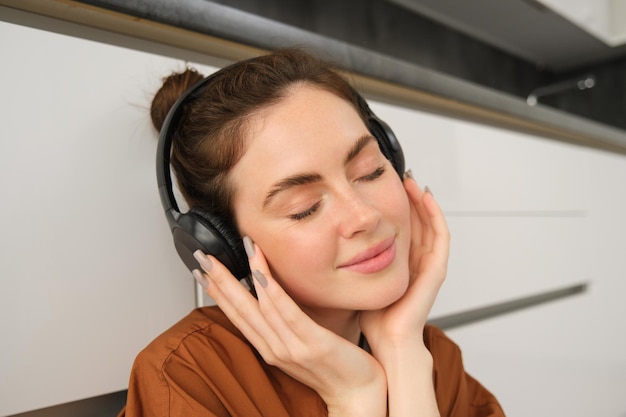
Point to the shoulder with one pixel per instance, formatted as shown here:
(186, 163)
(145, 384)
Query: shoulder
(196, 330)
(174, 374)
(204, 366)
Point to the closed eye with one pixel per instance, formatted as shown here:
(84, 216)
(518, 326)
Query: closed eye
(378, 172)
(374, 175)
(306, 213)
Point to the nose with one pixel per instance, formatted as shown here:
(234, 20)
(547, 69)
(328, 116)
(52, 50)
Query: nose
(357, 215)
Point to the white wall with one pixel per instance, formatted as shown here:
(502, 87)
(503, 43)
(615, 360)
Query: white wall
(90, 276)
(88, 271)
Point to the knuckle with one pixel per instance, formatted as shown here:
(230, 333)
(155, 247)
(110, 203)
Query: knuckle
(268, 353)
(270, 359)
(289, 355)
(278, 356)
(291, 319)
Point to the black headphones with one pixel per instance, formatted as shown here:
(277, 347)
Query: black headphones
(199, 229)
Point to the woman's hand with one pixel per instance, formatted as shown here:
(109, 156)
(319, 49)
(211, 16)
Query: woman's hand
(395, 333)
(349, 380)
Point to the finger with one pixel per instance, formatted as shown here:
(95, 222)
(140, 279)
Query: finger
(421, 220)
(235, 301)
(222, 283)
(441, 243)
(412, 188)
(433, 265)
(281, 311)
(278, 309)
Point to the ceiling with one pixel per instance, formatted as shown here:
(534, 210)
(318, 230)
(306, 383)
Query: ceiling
(556, 34)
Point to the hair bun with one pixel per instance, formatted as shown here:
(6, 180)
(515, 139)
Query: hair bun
(173, 87)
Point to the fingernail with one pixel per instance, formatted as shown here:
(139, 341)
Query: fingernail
(407, 174)
(427, 190)
(258, 275)
(248, 246)
(200, 279)
(204, 262)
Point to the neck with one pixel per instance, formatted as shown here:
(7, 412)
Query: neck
(344, 323)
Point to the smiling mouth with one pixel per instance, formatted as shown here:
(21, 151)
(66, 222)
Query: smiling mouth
(373, 259)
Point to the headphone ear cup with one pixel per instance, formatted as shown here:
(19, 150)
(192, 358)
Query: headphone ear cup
(388, 143)
(199, 229)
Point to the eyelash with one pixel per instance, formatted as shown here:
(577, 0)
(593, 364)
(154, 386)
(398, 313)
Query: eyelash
(374, 175)
(306, 213)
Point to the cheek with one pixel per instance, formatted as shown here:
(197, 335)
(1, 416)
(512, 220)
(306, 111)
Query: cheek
(394, 205)
(298, 260)
(297, 256)
(398, 210)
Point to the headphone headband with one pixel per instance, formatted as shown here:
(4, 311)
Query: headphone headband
(164, 148)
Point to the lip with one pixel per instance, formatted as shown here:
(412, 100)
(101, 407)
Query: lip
(374, 259)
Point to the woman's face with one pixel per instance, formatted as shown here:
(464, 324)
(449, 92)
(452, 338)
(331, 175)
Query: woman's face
(326, 207)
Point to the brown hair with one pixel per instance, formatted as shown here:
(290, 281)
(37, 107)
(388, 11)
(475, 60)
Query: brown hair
(209, 138)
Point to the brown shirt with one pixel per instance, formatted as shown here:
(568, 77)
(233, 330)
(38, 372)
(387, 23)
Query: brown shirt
(203, 366)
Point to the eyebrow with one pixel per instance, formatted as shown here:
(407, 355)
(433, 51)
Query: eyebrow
(309, 178)
(358, 146)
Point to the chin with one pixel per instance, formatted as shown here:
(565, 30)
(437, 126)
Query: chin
(392, 292)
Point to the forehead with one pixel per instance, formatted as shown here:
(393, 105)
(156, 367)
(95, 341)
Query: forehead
(308, 130)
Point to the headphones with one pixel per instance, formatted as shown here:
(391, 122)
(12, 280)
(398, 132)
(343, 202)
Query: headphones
(199, 229)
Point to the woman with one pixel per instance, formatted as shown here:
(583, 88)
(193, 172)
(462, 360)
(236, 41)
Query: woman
(346, 259)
